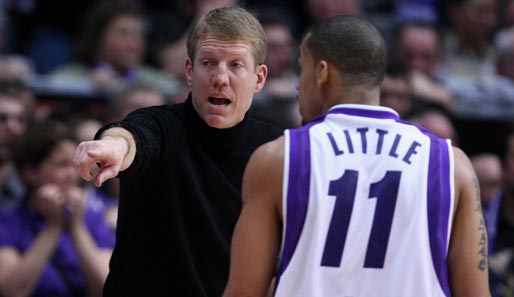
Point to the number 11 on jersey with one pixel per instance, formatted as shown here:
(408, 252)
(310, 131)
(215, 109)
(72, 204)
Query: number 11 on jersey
(344, 189)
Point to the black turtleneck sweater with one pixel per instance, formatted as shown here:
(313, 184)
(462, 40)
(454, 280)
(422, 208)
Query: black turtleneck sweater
(179, 202)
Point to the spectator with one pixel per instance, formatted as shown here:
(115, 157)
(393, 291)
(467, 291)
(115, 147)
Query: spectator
(16, 67)
(276, 103)
(111, 52)
(501, 273)
(172, 60)
(84, 127)
(417, 45)
(488, 168)
(133, 97)
(505, 51)
(52, 244)
(43, 31)
(282, 76)
(469, 68)
(467, 43)
(437, 122)
(394, 92)
(504, 40)
(499, 214)
(13, 65)
(319, 10)
(499, 217)
(16, 113)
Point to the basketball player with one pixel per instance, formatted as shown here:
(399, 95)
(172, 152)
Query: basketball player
(356, 203)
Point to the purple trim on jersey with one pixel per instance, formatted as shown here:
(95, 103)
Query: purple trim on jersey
(438, 207)
(19, 229)
(378, 114)
(297, 190)
(297, 193)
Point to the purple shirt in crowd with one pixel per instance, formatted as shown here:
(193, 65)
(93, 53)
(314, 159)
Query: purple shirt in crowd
(62, 275)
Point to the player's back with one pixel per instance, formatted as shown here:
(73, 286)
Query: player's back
(367, 207)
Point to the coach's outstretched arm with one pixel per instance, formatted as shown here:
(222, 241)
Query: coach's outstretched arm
(467, 255)
(114, 152)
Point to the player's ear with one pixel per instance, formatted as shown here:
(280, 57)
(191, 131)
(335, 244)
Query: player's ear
(321, 73)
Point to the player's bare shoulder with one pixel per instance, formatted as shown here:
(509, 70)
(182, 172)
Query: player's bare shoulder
(465, 178)
(272, 151)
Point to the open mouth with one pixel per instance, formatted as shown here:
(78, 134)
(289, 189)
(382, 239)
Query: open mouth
(219, 101)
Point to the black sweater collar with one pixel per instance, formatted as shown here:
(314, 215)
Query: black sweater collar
(227, 139)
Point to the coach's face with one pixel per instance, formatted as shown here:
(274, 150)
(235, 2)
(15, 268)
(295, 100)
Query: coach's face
(308, 85)
(224, 78)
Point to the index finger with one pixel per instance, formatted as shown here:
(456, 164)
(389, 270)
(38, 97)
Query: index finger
(85, 159)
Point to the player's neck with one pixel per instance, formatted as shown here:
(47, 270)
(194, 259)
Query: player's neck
(360, 95)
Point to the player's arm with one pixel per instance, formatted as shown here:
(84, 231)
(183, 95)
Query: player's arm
(467, 256)
(256, 239)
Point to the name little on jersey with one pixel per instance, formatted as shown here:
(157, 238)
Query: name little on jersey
(378, 140)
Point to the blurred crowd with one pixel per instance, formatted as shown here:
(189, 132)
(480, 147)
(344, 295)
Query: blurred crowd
(68, 67)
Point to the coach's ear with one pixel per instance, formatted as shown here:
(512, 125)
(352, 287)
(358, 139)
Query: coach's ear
(189, 72)
(261, 73)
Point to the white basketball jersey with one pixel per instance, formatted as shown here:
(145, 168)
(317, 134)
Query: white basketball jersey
(367, 206)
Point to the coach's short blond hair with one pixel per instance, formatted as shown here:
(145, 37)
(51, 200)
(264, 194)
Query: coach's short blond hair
(229, 23)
